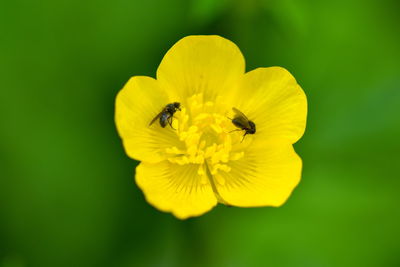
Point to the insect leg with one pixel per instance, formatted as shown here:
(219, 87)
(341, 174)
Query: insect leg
(243, 137)
(170, 122)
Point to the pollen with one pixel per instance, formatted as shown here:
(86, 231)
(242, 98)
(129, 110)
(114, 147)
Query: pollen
(205, 139)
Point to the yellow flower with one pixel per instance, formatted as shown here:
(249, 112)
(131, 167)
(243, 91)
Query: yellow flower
(199, 161)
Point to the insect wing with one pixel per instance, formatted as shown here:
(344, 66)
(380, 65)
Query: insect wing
(241, 123)
(156, 118)
(239, 113)
(240, 119)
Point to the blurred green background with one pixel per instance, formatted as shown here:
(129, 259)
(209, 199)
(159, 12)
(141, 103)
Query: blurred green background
(67, 195)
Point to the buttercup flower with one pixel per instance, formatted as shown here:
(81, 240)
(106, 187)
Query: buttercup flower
(200, 157)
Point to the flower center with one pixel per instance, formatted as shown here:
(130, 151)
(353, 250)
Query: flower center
(205, 139)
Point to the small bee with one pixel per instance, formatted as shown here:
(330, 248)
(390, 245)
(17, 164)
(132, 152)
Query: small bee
(167, 114)
(241, 121)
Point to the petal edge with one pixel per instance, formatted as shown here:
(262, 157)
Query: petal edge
(201, 64)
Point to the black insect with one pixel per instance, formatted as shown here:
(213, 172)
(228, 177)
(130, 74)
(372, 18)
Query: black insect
(241, 121)
(167, 114)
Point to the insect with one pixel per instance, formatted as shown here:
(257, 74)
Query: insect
(241, 121)
(167, 114)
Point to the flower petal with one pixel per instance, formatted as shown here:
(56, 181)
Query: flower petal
(265, 176)
(201, 64)
(273, 100)
(175, 188)
(136, 105)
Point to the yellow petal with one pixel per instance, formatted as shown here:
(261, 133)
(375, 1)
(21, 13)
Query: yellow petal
(273, 100)
(265, 176)
(174, 188)
(136, 105)
(201, 64)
